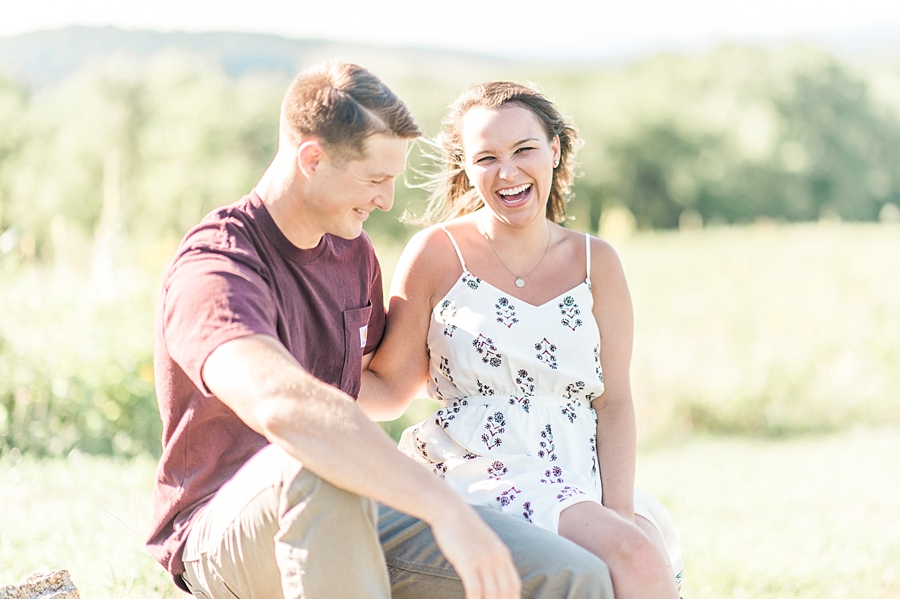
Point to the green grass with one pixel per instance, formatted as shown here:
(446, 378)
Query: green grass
(768, 330)
(85, 514)
(815, 516)
(809, 517)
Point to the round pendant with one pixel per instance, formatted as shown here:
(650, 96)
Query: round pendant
(520, 282)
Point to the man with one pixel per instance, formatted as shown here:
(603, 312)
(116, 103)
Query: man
(270, 475)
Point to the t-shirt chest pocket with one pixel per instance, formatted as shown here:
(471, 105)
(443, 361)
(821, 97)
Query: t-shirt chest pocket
(356, 322)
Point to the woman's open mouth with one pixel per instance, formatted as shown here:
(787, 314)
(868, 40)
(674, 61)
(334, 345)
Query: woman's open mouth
(515, 195)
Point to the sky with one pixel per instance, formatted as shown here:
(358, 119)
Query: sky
(549, 28)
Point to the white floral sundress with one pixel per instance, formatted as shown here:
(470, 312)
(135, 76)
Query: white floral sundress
(515, 429)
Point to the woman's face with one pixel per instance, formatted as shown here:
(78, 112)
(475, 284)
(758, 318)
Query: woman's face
(509, 161)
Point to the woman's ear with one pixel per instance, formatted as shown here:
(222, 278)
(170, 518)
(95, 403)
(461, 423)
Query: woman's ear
(554, 145)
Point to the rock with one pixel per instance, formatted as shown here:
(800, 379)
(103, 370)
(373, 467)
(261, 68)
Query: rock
(56, 585)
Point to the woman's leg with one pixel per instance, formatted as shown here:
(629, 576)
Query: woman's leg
(638, 567)
(656, 538)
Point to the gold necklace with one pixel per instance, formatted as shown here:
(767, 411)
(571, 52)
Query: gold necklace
(520, 279)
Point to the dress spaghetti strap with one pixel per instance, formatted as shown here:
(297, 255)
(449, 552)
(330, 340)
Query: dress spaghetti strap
(587, 254)
(456, 247)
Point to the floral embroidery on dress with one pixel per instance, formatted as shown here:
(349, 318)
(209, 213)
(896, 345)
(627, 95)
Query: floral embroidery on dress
(487, 350)
(569, 411)
(569, 492)
(496, 470)
(444, 367)
(470, 281)
(421, 446)
(506, 312)
(572, 390)
(546, 351)
(554, 475)
(526, 388)
(446, 315)
(442, 418)
(527, 512)
(437, 389)
(484, 389)
(508, 496)
(570, 312)
(448, 413)
(440, 469)
(548, 449)
(598, 370)
(593, 451)
(495, 427)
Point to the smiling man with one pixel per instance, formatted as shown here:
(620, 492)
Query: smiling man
(271, 476)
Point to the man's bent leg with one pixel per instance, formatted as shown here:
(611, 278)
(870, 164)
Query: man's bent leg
(551, 566)
(276, 530)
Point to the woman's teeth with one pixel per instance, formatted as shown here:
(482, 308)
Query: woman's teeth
(515, 190)
(514, 194)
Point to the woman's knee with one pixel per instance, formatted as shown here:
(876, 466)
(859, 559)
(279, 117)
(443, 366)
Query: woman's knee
(631, 546)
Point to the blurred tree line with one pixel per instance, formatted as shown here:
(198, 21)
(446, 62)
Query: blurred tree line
(102, 172)
(145, 148)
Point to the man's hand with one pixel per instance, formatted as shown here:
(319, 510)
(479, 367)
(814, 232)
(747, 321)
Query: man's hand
(482, 561)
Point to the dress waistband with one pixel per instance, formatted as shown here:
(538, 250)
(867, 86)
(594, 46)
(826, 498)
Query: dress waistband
(543, 400)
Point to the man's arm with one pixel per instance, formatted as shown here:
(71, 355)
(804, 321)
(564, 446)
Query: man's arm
(322, 427)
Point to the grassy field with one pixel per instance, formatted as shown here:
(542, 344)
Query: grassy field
(765, 329)
(809, 517)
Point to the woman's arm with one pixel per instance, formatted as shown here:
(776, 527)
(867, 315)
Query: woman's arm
(616, 429)
(399, 368)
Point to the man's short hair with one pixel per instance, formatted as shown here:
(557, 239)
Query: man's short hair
(342, 104)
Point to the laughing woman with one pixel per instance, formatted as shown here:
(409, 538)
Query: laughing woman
(523, 331)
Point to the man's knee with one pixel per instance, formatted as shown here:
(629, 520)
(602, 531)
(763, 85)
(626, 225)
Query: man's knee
(308, 497)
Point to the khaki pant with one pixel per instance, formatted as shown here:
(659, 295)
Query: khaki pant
(278, 531)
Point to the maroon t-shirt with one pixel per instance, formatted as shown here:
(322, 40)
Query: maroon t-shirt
(236, 274)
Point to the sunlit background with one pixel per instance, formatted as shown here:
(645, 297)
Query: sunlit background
(743, 158)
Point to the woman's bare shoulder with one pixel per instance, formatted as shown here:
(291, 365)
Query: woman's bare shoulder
(429, 262)
(431, 245)
(605, 261)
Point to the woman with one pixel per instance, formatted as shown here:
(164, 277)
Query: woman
(523, 330)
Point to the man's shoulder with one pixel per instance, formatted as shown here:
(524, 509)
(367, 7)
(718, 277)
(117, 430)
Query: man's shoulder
(228, 233)
(224, 228)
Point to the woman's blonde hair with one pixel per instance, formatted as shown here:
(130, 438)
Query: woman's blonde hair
(451, 193)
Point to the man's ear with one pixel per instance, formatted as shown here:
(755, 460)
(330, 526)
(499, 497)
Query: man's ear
(309, 155)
